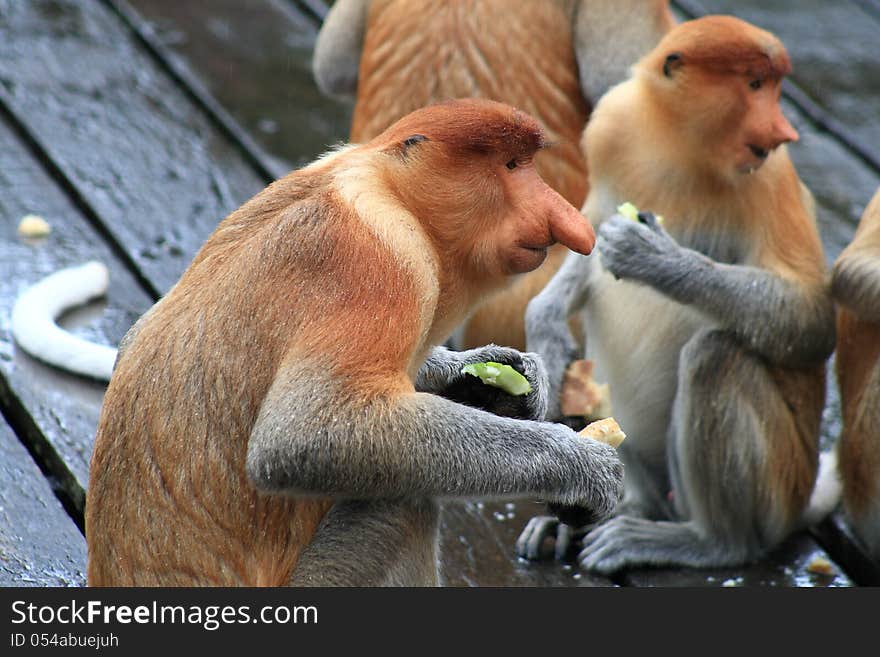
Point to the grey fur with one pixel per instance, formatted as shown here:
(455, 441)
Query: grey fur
(768, 314)
(546, 323)
(337, 55)
(373, 543)
(442, 375)
(720, 427)
(315, 436)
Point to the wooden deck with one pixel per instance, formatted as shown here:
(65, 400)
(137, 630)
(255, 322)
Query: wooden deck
(134, 127)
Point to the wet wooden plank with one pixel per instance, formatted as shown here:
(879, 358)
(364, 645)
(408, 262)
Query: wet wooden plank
(838, 539)
(39, 543)
(153, 167)
(57, 412)
(477, 548)
(255, 58)
(788, 566)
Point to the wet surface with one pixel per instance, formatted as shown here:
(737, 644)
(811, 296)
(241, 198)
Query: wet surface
(39, 544)
(98, 138)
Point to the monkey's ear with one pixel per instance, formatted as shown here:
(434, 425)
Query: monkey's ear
(672, 63)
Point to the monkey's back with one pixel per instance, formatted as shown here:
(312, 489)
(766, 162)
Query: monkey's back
(169, 502)
(418, 52)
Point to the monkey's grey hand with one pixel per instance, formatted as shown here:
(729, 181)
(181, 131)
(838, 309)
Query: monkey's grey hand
(637, 250)
(441, 375)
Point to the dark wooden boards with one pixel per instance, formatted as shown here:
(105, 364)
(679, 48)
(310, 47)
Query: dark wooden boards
(39, 544)
(57, 413)
(156, 171)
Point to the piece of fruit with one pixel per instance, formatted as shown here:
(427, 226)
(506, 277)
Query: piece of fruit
(630, 211)
(499, 376)
(605, 431)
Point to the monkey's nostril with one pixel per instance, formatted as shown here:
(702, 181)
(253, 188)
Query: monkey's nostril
(759, 152)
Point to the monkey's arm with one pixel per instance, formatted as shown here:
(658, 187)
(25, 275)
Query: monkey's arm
(547, 329)
(855, 282)
(610, 37)
(786, 322)
(328, 439)
(337, 54)
(441, 375)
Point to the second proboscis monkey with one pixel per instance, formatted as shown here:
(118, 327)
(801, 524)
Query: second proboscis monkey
(713, 326)
(855, 284)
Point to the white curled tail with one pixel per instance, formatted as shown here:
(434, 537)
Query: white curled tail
(826, 492)
(35, 330)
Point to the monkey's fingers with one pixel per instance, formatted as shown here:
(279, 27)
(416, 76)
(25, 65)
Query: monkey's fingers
(537, 530)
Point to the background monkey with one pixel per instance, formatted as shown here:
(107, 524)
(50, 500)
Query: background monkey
(855, 284)
(551, 58)
(249, 436)
(713, 328)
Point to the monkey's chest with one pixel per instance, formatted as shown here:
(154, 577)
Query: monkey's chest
(634, 336)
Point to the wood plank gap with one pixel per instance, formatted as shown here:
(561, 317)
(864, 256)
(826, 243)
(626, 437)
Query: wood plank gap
(143, 31)
(62, 481)
(835, 538)
(823, 119)
(69, 187)
(314, 9)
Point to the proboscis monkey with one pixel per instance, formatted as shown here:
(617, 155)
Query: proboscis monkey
(551, 58)
(273, 419)
(855, 284)
(713, 327)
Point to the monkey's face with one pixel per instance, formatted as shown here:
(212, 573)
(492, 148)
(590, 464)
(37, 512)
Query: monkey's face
(721, 78)
(531, 218)
(465, 170)
(763, 128)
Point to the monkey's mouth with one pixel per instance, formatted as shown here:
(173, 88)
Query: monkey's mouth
(758, 157)
(527, 258)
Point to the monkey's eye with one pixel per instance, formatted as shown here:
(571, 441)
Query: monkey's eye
(756, 84)
(512, 164)
(413, 140)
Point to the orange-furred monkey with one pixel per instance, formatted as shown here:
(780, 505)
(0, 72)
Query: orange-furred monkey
(713, 327)
(855, 284)
(551, 58)
(276, 417)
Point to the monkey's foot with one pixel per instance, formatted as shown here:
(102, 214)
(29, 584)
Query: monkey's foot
(626, 541)
(541, 528)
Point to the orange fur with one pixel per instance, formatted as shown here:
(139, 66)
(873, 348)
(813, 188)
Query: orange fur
(336, 269)
(858, 374)
(420, 51)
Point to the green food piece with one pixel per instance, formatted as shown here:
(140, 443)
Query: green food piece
(629, 211)
(500, 376)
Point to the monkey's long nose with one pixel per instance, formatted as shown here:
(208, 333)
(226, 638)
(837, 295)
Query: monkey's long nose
(570, 227)
(783, 131)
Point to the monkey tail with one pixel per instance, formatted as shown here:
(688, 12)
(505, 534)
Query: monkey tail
(827, 491)
(35, 330)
